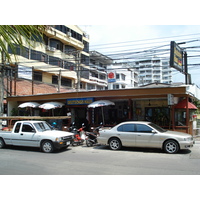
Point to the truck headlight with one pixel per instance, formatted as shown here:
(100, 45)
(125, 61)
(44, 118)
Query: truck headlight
(58, 139)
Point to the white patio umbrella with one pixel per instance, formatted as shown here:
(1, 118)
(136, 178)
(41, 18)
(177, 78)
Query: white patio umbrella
(101, 103)
(29, 104)
(51, 105)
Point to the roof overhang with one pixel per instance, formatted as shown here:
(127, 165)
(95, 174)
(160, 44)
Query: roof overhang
(135, 93)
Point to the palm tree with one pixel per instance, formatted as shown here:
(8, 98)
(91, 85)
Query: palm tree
(11, 35)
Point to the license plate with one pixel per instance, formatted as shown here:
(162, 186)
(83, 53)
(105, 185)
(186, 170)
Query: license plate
(68, 143)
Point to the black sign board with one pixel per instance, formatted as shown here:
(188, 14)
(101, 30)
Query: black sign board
(176, 57)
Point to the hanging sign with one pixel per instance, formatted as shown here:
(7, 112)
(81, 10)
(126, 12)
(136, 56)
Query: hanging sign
(170, 99)
(176, 57)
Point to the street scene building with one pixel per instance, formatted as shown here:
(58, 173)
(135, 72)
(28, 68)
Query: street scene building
(122, 75)
(154, 70)
(61, 68)
(60, 59)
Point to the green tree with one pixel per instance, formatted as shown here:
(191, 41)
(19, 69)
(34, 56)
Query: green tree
(11, 35)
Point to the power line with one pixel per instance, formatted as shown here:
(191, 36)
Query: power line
(146, 39)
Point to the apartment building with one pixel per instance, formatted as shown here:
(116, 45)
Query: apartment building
(122, 75)
(98, 71)
(153, 70)
(60, 59)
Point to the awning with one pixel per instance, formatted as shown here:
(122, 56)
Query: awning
(183, 104)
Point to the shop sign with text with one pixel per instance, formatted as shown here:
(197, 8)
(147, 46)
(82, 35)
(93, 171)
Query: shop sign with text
(79, 101)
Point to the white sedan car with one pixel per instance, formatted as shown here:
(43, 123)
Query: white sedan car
(144, 134)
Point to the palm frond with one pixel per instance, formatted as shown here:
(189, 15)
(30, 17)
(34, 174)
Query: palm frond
(12, 35)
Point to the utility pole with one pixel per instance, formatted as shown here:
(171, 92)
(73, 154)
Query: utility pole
(2, 86)
(185, 67)
(78, 58)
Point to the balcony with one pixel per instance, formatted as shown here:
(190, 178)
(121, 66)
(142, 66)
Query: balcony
(64, 38)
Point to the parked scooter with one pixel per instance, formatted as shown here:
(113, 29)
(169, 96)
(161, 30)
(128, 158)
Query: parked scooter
(91, 137)
(77, 139)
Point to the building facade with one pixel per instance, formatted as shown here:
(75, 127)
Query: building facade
(60, 59)
(122, 75)
(98, 70)
(153, 70)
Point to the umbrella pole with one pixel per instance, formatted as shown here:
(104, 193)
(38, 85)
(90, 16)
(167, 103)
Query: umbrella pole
(102, 114)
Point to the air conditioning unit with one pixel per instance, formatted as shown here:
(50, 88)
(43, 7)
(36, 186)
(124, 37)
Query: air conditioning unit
(48, 48)
(52, 48)
(69, 34)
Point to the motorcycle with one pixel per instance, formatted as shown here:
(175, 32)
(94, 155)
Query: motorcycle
(77, 139)
(91, 137)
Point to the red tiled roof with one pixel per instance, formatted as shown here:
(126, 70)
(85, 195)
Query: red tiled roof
(24, 87)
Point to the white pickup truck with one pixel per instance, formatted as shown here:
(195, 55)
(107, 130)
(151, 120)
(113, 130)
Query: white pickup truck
(36, 134)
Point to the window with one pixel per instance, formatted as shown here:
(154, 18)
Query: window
(69, 65)
(123, 77)
(54, 80)
(143, 128)
(66, 82)
(15, 50)
(37, 76)
(86, 46)
(25, 52)
(85, 59)
(17, 128)
(55, 61)
(27, 128)
(37, 55)
(115, 87)
(56, 44)
(126, 128)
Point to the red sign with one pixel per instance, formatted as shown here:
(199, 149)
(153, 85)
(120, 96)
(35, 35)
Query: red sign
(111, 77)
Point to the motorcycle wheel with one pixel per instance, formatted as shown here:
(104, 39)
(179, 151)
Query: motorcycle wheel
(74, 144)
(88, 143)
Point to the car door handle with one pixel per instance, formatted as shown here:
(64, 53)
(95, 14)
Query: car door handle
(138, 135)
(21, 134)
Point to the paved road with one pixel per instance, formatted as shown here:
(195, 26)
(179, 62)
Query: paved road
(99, 160)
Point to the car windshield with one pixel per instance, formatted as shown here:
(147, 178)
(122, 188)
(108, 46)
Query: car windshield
(158, 128)
(43, 126)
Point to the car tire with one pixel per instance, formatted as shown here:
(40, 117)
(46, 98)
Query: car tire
(171, 146)
(115, 144)
(47, 146)
(2, 143)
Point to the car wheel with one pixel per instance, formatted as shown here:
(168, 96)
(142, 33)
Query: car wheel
(2, 143)
(115, 144)
(47, 146)
(171, 146)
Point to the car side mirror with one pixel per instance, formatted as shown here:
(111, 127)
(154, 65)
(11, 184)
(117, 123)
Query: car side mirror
(153, 131)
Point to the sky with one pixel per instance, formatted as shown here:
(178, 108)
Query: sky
(109, 39)
(111, 21)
